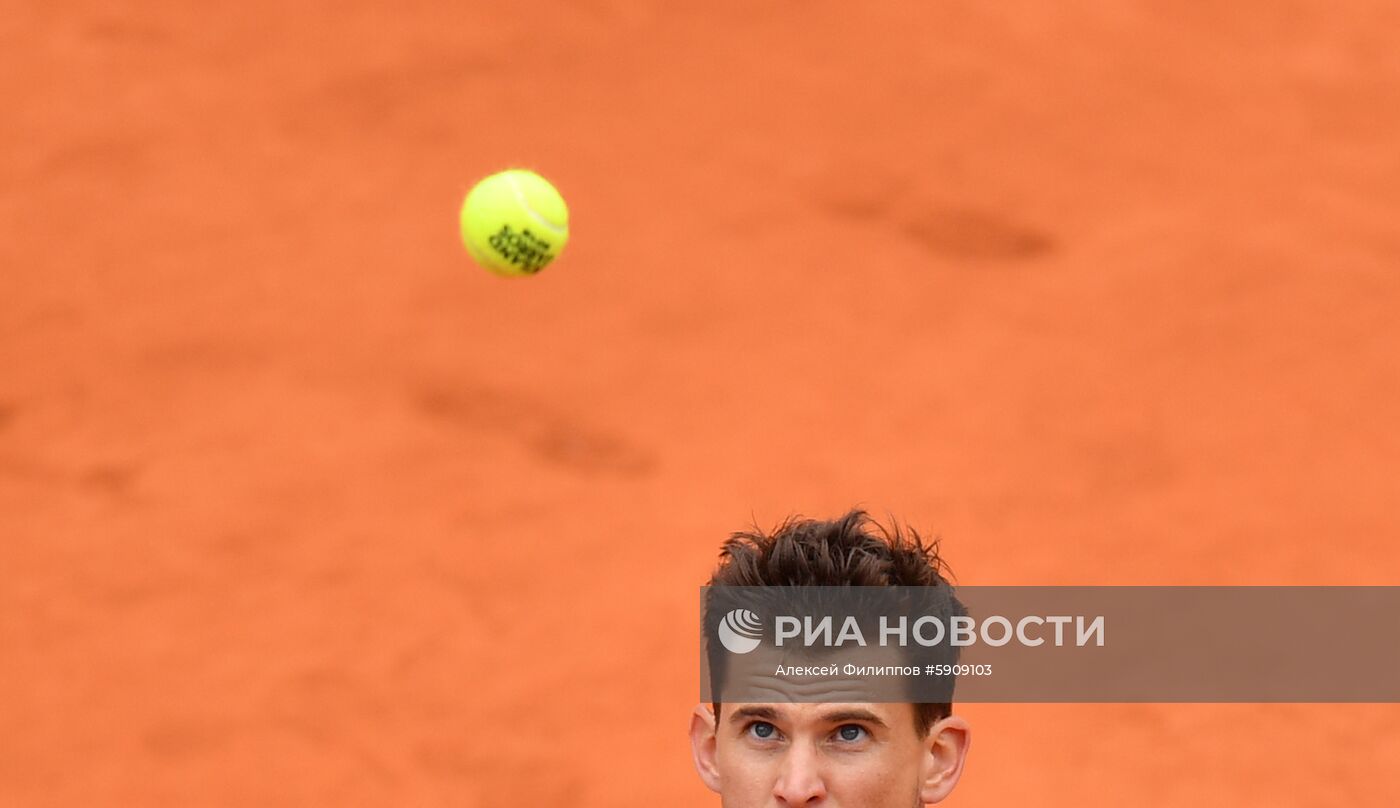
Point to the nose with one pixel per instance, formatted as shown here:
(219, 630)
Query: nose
(800, 778)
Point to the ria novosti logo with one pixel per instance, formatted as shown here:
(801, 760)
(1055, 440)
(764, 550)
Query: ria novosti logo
(740, 631)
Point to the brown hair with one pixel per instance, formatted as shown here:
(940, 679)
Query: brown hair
(853, 550)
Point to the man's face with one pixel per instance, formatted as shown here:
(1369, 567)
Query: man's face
(855, 755)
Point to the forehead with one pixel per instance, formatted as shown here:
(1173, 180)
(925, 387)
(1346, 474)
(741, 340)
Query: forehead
(798, 677)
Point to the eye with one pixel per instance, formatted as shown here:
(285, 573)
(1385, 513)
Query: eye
(763, 730)
(851, 732)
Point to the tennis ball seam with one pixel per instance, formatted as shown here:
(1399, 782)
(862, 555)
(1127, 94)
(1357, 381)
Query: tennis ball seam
(525, 206)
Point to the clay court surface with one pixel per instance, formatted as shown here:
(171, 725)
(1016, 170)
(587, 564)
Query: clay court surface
(298, 507)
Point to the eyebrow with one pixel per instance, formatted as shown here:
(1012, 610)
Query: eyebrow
(853, 715)
(834, 717)
(766, 713)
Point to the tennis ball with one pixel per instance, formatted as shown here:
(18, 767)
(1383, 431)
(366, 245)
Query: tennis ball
(514, 222)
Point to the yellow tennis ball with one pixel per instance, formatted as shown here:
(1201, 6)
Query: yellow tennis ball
(514, 222)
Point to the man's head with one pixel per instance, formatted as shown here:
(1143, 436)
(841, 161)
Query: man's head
(828, 754)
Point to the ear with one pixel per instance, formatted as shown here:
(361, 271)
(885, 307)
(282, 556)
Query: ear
(945, 750)
(703, 745)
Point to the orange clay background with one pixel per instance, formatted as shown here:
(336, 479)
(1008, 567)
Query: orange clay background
(299, 507)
